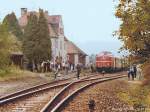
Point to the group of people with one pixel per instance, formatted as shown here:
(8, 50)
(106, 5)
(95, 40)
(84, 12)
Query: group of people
(47, 66)
(66, 69)
(134, 72)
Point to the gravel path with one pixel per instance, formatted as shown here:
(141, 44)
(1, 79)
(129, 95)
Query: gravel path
(33, 103)
(104, 95)
(10, 86)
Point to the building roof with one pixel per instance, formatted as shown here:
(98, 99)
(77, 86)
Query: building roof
(54, 19)
(53, 22)
(105, 53)
(73, 49)
(52, 31)
(17, 53)
(66, 39)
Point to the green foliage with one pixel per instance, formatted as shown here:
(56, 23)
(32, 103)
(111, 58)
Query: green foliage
(37, 42)
(146, 72)
(134, 30)
(44, 48)
(12, 24)
(16, 46)
(14, 73)
(4, 46)
(8, 44)
(30, 35)
(136, 95)
(8, 71)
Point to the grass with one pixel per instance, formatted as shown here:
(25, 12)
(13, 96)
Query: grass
(137, 96)
(14, 73)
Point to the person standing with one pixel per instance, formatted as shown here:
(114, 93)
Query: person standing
(63, 65)
(92, 68)
(42, 66)
(131, 72)
(73, 66)
(103, 72)
(134, 71)
(139, 72)
(30, 66)
(56, 73)
(45, 66)
(48, 66)
(78, 67)
(66, 68)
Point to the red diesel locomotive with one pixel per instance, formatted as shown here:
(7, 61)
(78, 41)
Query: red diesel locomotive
(106, 61)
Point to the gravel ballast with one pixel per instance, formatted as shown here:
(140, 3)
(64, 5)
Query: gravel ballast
(104, 95)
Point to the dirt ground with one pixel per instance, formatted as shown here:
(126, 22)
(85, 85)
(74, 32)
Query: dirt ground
(13, 85)
(105, 97)
(29, 79)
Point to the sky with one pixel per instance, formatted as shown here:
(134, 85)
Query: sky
(88, 23)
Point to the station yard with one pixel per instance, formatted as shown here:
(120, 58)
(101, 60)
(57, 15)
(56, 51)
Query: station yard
(115, 96)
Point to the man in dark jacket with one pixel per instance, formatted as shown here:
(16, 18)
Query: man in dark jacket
(78, 67)
(135, 71)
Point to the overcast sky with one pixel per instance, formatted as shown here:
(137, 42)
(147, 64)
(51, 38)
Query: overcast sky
(88, 23)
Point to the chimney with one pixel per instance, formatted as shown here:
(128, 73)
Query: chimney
(23, 11)
(46, 13)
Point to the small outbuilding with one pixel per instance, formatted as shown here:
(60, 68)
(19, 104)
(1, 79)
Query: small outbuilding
(75, 54)
(17, 58)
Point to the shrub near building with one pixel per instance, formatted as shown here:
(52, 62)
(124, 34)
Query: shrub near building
(8, 44)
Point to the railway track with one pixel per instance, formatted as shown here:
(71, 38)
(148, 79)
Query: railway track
(20, 93)
(35, 97)
(68, 92)
(35, 100)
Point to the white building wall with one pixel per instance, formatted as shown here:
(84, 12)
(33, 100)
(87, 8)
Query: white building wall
(59, 45)
(59, 48)
(65, 51)
(53, 48)
(76, 59)
(62, 48)
(87, 61)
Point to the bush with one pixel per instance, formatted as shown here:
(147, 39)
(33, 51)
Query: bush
(10, 70)
(136, 96)
(146, 72)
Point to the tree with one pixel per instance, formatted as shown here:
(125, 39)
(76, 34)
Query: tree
(13, 26)
(134, 30)
(4, 50)
(43, 43)
(30, 37)
(8, 44)
(37, 42)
